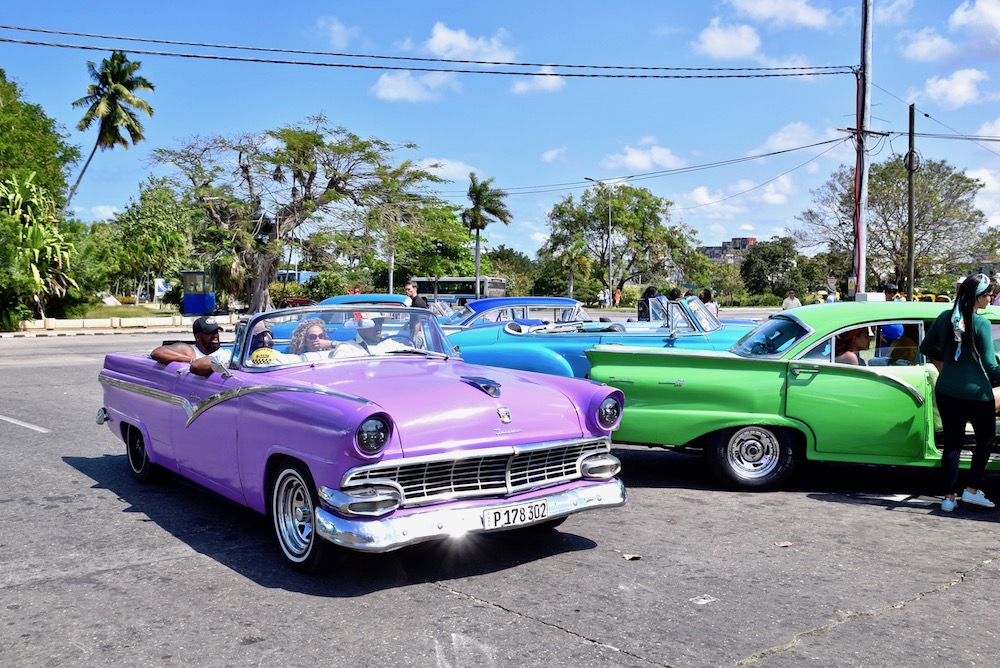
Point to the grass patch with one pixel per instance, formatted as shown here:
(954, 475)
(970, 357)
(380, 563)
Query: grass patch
(127, 312)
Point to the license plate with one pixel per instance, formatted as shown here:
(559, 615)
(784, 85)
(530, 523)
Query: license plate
(509, 516)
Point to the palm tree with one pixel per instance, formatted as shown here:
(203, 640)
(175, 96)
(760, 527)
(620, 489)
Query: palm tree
(112, 102)
(487, 207)
(575, 257)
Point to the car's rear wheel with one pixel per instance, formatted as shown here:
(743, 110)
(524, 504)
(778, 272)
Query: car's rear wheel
(752, 457)
(141, 468)
(293, 513)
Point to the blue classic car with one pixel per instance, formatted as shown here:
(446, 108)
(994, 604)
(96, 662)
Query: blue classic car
(523, 310)
(330, 434)
(559, 348)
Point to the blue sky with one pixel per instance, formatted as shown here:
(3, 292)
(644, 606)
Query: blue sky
(539, 137)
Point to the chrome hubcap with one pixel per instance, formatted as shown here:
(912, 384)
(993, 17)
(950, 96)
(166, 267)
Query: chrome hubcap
(293, 515)
(753, 452)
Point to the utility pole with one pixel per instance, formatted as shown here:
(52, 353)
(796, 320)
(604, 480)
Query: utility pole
(912, 164)
(864, 109)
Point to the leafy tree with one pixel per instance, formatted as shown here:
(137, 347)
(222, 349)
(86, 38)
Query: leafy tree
(726, 281)
(488, 206)
(31, 142)
(770, 267)
(516, 267)
(642, 242)
(43, 254)
(946, 221)
(574, 258)
(112, 103)
(256, 190)
(150, 234)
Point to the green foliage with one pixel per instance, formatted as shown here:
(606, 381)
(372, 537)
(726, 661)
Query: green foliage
(281, 291)
(726, 282)
(516, 267)
(762, 300)
(948, 226)
(327, 284)
(31, 142)
(630, 295)
(770, 267)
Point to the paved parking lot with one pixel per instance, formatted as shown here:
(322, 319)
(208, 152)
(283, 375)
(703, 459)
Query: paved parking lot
(850, 566)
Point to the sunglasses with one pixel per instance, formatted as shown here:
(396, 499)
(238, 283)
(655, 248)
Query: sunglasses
(313, 337)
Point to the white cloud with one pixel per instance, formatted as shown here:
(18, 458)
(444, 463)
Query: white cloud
(956, 91)
(892, 11)
(790, 136)
(926, 45)
(799, 13)
(100, 212)
(709, 205)
(988, 199)
(724, 42)
(447, 43)
(647, 158)
(746, 227)
(453, 170)
(544, 83)
(404, 86)
(539, 237)
(338, 35)
(553, 154)
(980, 19)
(991, 129)
(776, 192)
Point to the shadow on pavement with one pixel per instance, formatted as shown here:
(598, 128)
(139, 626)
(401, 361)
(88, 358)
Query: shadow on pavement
(242, 540)
(891, 487)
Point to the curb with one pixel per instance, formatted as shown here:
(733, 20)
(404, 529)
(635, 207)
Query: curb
(47, 334)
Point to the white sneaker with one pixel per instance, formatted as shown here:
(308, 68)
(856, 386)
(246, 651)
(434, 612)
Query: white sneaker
(977, 499)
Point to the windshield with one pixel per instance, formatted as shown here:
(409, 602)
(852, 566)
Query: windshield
(331, 333)
(705, 318)
(459, 315)
(770, 338)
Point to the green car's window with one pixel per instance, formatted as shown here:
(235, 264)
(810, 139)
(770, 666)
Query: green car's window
(770, 338)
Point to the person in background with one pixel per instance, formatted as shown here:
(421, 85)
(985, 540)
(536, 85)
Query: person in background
(413, 298)
(791, 301)
(618, 297)
(642, 306)
(960, 343)
(831, 297)
(674, 294)
(850, 344)
(206, 348)
(892, 293)
(710, 303)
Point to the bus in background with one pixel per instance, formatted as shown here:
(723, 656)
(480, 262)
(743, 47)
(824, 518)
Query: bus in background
(453, 289)
(287, 275)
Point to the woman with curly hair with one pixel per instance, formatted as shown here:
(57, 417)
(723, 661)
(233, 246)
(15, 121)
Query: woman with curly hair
(960, 344)
(310, 337)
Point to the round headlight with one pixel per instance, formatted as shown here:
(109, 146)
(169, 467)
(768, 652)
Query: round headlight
(609, 412)
(372, 435)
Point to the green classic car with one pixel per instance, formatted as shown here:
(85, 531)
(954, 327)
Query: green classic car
(778, 395)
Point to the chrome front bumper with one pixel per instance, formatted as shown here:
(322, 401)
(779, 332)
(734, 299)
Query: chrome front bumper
(393, 533)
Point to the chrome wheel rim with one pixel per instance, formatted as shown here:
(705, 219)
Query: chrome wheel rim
(753, 453)
(293, 515)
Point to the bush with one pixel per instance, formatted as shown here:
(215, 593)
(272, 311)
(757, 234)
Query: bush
(281, 292)
(764, 301)
(326, 284)
(630, 295)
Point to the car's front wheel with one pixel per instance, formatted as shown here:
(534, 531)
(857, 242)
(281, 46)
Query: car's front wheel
(293, 513)
(752, 457)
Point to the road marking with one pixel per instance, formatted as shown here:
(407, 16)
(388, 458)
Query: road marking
(25, 424)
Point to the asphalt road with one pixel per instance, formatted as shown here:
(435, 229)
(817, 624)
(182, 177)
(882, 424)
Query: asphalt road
(849, 566)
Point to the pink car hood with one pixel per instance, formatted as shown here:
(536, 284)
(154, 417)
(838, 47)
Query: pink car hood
(439, 406)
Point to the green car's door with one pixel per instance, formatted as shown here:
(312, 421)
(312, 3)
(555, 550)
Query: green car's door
(861, 414)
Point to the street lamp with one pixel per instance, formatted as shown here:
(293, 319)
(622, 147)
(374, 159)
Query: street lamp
(610, 274)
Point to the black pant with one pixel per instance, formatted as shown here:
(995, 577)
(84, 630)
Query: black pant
(955, 413)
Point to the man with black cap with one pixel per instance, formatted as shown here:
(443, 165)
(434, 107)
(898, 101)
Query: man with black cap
(206, 348)
(892, 293)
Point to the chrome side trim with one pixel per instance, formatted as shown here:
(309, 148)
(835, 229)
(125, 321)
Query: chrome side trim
(143, 391)
(193, 411)
(399, 531)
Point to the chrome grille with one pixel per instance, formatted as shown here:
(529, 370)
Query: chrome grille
(501, 471)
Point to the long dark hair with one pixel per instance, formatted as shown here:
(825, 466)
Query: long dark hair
(965, 302)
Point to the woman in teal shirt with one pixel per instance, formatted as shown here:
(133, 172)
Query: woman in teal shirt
(960, 344)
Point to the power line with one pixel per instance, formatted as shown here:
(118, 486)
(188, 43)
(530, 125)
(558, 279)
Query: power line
(806, 70)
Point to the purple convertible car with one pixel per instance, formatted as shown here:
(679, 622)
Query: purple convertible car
(360, 429)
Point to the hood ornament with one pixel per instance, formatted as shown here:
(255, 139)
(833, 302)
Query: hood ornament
(490, 387)
(504, 414)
